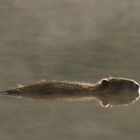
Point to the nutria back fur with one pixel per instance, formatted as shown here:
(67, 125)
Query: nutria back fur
(109, 91)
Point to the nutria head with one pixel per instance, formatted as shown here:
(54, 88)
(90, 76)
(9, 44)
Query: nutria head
(117, 91)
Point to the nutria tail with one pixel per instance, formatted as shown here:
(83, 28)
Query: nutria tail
(3, 93)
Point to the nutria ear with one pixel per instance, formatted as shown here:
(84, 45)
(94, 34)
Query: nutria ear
(105, 83)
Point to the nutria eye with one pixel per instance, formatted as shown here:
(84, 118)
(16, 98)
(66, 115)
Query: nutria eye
(104, 82)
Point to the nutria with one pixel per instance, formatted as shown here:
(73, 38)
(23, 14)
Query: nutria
(110, 91)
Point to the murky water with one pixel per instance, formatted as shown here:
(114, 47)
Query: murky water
(73, 40)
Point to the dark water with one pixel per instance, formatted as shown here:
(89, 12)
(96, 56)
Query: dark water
(77, 40)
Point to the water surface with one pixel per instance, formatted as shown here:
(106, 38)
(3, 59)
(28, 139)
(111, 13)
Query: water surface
(67, 40)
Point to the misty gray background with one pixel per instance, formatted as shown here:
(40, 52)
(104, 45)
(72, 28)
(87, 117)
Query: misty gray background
(77, 40)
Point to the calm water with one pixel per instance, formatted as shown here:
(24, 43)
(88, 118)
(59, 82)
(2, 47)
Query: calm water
(77, 40)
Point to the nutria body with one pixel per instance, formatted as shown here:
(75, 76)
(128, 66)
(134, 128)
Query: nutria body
(109, 91)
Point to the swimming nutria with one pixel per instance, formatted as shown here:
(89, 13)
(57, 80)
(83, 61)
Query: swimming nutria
(109, 91)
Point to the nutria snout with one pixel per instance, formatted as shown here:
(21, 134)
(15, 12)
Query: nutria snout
(136, 86)
(110, 91)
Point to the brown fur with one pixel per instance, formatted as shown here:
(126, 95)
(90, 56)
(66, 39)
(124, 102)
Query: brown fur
(109, 91)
